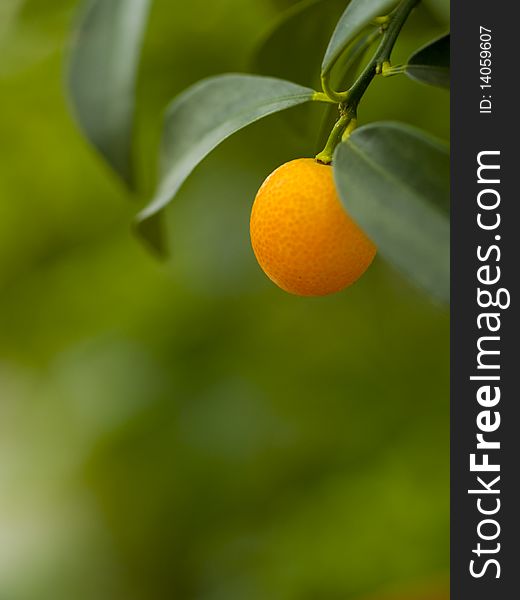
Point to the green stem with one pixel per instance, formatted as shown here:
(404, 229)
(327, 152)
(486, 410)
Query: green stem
(359, 48)
(382, 54)
(393, 30)
(325, 156)
(336, 97)
(350, 99)
(321, 97)
(388, 71)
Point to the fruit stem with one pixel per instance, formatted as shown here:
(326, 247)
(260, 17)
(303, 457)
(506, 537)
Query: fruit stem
(380, 63)
(344, 124)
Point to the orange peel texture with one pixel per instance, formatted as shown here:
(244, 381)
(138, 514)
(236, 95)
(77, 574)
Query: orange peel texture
(301, 234)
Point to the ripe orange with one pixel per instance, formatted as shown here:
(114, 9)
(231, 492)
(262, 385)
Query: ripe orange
(302, 237)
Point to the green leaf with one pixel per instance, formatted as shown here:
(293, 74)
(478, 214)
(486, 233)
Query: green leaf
(431, 63)
(205, 115)
(286, 52)
(394, 181)
(102, 76)
(357, 16)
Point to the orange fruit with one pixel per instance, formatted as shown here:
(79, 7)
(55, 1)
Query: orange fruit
(301, 234)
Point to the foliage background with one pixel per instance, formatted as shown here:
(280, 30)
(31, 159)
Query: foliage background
(185, 429)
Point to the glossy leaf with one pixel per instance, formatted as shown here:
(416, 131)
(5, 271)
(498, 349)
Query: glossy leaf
(431, 63)
(102, 76)
(394, 181)
(208, 113)
(358, 14)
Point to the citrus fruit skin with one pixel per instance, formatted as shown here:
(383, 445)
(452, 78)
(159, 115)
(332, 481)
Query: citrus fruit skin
(301, 234)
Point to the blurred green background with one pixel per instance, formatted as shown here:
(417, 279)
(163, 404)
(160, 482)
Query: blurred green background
(184, 429)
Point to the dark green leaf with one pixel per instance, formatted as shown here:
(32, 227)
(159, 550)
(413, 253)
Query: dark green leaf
(431, 64)
(208, 113)
(394, 180)
(102, 75)
(356, 17)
